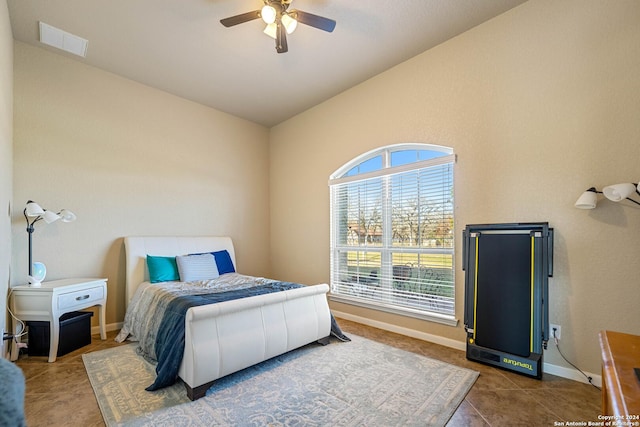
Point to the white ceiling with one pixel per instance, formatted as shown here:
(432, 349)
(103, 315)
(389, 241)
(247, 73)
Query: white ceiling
(179, 46)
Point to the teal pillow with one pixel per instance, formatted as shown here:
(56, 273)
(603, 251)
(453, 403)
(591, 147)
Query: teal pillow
(162, 269)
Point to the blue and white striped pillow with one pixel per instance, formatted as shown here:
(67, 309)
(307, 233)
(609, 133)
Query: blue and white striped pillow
(197, 267)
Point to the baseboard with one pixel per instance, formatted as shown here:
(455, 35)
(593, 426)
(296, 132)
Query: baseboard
(572, 374)
(560, 371)
(436, 339)
(108, 327)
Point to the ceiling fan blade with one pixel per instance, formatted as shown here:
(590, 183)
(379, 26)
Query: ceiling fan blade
(315, 21)
(240, 19)
(281, 39)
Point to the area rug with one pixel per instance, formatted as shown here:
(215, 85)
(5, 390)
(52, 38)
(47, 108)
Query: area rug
(355, 383)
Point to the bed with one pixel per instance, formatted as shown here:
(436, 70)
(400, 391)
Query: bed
(228, 336)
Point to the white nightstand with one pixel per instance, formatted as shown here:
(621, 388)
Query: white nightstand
(55, 298)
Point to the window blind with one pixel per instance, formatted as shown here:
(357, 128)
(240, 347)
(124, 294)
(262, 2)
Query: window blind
(392, 236)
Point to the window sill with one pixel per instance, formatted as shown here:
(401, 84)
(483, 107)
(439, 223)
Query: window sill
(430, 317)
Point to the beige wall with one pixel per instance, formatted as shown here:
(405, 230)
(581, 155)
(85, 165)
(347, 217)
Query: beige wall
(128, 160)
(6, 149)
(539, 104)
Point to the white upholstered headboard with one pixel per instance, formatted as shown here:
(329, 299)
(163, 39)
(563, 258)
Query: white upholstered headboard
(138, 247)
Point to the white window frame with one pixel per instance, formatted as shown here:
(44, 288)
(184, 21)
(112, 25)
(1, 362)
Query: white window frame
(386, 249)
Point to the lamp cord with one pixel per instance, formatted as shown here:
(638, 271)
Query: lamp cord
(23, 326)
(21, 333)
(589, 379)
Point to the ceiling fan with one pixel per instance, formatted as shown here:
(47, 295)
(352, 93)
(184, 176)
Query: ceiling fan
(281, 21)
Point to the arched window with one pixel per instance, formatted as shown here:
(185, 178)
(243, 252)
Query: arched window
(392, 236)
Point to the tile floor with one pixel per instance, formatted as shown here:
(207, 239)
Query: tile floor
(59, 394)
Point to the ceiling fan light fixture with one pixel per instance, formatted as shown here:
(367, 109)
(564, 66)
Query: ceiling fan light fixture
(281, 21)
(271, 30)
(268, 14)
(289, 23)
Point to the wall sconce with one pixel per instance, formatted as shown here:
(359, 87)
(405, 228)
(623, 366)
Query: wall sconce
(615, 193)
(33, 210)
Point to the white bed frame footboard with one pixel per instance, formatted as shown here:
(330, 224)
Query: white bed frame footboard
(226, 337)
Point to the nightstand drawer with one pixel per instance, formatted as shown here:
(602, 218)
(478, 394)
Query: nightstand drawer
(82, 297)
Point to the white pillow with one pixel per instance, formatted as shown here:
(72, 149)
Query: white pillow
(197, 267)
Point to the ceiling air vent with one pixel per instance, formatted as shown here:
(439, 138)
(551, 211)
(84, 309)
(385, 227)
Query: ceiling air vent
(59, 39)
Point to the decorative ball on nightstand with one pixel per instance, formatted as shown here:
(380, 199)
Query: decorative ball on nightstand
(38, 273)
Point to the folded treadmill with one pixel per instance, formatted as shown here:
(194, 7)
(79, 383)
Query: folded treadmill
(506, 314)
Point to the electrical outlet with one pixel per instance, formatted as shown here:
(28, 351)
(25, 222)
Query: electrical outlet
(555, 331)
